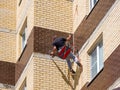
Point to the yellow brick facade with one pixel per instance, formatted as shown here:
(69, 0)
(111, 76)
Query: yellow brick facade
(8, 14)
(49, 76)
(53, 14)
(109, 29)
(80, 9)
(8, 30)
(41, 73)
(7, 46)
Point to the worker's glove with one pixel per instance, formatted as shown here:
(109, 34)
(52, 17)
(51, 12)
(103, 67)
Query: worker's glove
(52, 54)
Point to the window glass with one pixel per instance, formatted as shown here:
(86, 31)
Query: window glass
(100, 55)
(96, 60)
(23, 35)
(92, 3)
(24, 38)
(94, 63)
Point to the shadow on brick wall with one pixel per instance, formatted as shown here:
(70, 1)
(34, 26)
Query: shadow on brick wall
(78, 73)
(63, 75)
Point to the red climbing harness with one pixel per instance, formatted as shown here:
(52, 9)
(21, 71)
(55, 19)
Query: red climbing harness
(64, 52)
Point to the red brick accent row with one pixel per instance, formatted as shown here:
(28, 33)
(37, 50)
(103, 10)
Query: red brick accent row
(7, 73)
(43, 39)
(109, 75)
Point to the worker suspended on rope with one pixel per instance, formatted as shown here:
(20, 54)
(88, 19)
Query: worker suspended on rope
(64, 51)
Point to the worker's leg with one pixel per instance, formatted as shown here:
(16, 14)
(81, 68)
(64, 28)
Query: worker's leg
(69, 64)
(75, 59)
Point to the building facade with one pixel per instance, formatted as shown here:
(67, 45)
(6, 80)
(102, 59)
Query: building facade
(26, 31)
(97, 36)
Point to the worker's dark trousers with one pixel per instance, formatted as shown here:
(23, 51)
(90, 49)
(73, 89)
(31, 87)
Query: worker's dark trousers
(73, 57)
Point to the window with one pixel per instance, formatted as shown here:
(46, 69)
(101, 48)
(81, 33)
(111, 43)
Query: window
(92, 3)
(96, 59)
(23, 35)
(23, 86)
(24, 38)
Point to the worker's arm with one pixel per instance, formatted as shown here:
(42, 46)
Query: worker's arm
(53, 51)
(69, 37)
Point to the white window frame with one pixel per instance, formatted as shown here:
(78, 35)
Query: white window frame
(99, 67)
(92, 4)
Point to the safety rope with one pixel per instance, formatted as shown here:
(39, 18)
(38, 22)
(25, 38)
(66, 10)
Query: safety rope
(63, 74)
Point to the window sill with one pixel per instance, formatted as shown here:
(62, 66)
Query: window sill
(22, 52)
(92, 9)
(95, 77)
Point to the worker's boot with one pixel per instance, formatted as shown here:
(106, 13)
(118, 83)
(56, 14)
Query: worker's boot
(72, 71)
(79, 64)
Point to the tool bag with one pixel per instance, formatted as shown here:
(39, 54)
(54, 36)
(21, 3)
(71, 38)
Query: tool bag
(64, 52)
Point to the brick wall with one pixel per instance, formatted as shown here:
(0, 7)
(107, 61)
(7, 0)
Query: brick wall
(50, 75)
(43, 39)
(24, 15)
(107, 28)
(111, 31)
(7, 73)
(7, 46)
(26, 76)
(55, 15)
(39, 41)
(8, 14)
(24, 58)
(7, 41)
(109, 74)
(80, 9)
(25, 10)
(7, 30)
(47, 75)
(91, 21)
